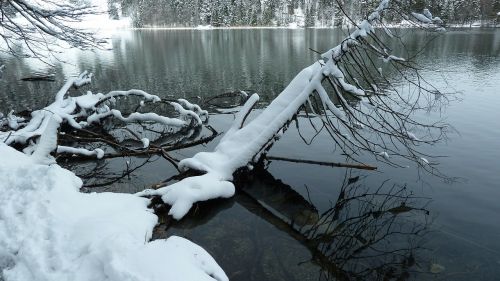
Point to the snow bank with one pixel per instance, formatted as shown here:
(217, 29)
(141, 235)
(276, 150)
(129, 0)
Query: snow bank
(204, 27)
(51, 231)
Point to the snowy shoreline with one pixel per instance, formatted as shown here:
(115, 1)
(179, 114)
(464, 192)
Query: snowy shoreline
(205, 28)
(49, 230)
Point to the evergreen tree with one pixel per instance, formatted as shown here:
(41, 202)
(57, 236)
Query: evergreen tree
(205, 12)
(338, 20)
(496, 7)
(281, 12)
(309, 20)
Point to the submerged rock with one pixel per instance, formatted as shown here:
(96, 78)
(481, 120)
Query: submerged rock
(436, 268)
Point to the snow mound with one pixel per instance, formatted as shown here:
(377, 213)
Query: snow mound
(51, 231)
(204, 27)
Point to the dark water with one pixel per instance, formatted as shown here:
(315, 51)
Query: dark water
(451, 229)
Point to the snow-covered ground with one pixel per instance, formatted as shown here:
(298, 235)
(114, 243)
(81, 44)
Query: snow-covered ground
(51, 231)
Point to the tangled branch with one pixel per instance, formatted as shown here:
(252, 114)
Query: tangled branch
(38, 136)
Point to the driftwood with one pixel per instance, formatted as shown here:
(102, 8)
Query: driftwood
(41, 77)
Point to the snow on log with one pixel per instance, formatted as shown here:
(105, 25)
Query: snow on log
(193, 107)
(183, 194)
(136, 116)
(99, 153)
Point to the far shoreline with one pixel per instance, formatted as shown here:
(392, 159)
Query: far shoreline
(294, 27)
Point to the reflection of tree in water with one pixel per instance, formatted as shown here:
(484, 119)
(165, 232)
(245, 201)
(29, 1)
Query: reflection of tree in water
(366, 234)
(106, 175)
(214, 64)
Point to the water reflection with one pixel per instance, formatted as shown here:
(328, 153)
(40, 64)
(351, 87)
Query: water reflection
(368, 233)
(193, 63)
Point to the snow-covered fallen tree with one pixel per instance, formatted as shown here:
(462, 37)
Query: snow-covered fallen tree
(364, 113)
(49, 230)
(38, 135)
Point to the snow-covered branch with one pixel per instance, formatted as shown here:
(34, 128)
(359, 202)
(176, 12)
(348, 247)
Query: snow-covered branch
(38, 24)
(38, 135)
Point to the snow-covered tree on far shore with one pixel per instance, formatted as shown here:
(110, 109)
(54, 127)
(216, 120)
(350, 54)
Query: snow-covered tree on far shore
(282, 12)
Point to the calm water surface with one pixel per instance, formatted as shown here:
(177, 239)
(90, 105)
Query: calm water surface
(452, 234)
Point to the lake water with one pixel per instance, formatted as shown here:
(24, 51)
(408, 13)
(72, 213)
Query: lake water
(452, 231)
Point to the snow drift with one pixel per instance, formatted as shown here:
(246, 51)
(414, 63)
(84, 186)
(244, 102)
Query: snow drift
(51, 231)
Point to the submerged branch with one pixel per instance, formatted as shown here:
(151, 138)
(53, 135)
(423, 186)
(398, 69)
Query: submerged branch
(322, 163)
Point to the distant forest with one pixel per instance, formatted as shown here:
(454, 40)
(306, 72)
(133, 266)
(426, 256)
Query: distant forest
(306, 13)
